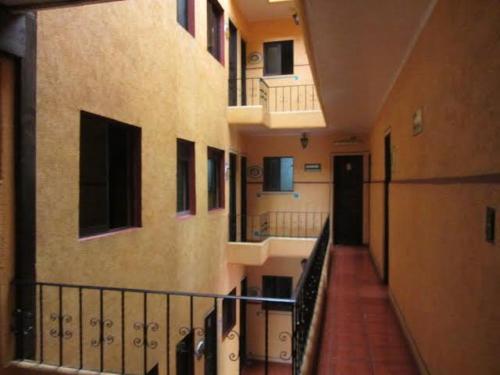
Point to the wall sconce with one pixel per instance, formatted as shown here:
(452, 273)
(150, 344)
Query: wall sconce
(304, 141)
(296, 18)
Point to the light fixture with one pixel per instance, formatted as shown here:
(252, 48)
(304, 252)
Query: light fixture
(304, 141)
(296, 18)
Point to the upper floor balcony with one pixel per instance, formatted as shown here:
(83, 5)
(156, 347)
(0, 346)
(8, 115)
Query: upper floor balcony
(275, 103)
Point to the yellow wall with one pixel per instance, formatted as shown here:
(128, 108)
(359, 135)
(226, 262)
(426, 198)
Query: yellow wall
(128, 61)
(7, 245)
(443, 274)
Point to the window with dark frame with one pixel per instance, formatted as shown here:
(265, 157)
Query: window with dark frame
(278, 58)
(278, 174)
(185, 15)
(110, 175)
(277, 287)
(228, 313)
(215, 30)
(215, 173)
(186, 192)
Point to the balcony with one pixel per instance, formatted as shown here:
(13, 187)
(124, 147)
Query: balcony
(138, 331)
(256, 238)
(273, 104)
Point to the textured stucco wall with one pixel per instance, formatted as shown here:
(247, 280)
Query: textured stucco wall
(132, 62)
(443, 274)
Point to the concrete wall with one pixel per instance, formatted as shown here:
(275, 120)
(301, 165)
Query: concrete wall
(443, 274)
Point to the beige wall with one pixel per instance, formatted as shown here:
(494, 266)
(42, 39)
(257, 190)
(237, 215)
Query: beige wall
(7, 245)
(314, 189)
(443, 274)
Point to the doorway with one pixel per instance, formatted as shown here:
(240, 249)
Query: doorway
(211, 343)
(348, 199)
(185, 355)
(387, 182)
(232, 197)
(233, 64)
(243, 189)
(243, 72)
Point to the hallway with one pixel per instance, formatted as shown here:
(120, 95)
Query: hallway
(361, 333)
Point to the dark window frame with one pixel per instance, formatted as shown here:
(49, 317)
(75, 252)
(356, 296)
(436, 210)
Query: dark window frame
(218, 156)
(271, 185)
(271, 287)
(189, 22)
(286, 64)
(228, 313)
(120, 151)
(217, 50)
(186, 154)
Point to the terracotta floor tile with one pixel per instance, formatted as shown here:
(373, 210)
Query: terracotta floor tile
(361, 334)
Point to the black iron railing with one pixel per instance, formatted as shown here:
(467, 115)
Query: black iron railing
(140, 331)
(273, 97)
(291, 224)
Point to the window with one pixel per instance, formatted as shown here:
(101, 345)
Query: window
(215, 172)
(278, 58)
(278, 174)
(186, 193)
(215, 30)
(228, 313)
(277, 287)
(110, 160)
(185, 14)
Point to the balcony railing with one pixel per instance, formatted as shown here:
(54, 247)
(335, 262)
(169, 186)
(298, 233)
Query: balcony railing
(273, 97)
(290, 224)
(140, 331)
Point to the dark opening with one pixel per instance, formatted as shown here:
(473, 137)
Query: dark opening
(278, 58)
(278, 174)
(110, 160)
(185, 15)
(233, 65)
(228, 314)
(348, 200)
(186, 193)
(243, 175)
(215, 29)
(185, 355)
(277, 287)
(215, 172)
(243, 72)
(243, 324)
(232, 197)
(211, 344)
(387, 181)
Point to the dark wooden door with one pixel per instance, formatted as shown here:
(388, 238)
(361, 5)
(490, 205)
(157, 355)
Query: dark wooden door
(185, 355)
(243, 72)
(243, 324)
(232, 197)
(348, 201)
(211, 344)
(233, 64)
(387, 181)
(243, 189)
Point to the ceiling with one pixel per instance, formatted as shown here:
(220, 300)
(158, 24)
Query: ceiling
(358, 48)
(263, 10)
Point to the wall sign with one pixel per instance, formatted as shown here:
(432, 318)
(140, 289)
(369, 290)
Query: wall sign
(312, 167)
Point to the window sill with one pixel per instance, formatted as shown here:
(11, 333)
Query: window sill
(217, 210)
(186, 215)
(108, 234)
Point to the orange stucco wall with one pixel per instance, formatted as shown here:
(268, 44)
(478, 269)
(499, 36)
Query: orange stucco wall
(443, 275)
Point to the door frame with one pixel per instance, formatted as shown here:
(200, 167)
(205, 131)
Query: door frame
(366, 193)
(386, 218)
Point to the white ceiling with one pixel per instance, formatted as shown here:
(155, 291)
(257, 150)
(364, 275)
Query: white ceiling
(358, 48)
(262, 10)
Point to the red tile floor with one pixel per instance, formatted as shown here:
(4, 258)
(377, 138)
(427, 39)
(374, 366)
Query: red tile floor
(361, 333)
